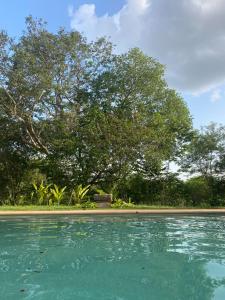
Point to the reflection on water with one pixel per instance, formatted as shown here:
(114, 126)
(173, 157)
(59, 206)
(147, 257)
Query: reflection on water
(115, 258)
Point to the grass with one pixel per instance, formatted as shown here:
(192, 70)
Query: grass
(66, 207)
(36, 207)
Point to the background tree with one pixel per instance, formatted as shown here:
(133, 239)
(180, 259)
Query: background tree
(205, 152)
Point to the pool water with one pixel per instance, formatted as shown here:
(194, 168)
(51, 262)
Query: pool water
(112, 258)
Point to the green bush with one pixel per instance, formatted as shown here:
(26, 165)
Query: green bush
(199, 191)
(157, 191)
(86, 205)
(119, 203)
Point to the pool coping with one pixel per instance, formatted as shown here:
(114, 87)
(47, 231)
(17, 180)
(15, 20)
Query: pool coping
(113, 212)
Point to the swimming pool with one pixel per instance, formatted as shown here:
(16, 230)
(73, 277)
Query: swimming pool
(112, 257)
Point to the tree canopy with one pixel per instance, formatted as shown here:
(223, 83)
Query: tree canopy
(83, 114)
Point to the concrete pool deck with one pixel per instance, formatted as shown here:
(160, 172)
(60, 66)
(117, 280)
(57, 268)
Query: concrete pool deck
(112, 212)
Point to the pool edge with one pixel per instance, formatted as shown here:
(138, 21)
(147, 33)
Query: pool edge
(113, 212)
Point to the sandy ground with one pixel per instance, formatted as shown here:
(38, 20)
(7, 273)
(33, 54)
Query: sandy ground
(115, 212)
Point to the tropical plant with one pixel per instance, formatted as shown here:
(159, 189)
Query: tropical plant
(57, 193)
(43, 193)
(79, 192)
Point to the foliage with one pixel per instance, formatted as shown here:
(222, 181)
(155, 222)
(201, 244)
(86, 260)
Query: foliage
(119, 203)
(57, 194)
(42, 193)
(100, 191)
(76, 114)
(206, 152)
(198, 190)
(79, 193)
(85, 114)
(88, 205)
(167, 190)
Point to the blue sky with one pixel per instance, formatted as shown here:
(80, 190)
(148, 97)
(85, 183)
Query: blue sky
(187, 36)
(55, 12)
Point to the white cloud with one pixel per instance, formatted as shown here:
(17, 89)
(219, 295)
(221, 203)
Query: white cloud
(216, 95)
(124, 28)
(188, 36)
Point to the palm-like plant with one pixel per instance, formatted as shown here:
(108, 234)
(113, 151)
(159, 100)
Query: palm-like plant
(79, 192)
(57, 193)
(42, 192)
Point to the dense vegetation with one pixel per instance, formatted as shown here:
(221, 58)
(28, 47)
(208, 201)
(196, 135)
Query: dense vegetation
(76, 118)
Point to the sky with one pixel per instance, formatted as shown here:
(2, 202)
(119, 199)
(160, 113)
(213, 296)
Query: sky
(187, 36)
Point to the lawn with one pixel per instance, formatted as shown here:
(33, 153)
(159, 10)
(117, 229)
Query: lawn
(66, 207)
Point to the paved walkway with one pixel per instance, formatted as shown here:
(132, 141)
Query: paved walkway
(114, 212)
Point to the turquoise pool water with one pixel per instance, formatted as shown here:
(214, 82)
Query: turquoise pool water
(112, 258)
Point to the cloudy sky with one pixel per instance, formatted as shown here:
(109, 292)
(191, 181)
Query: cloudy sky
(187, 36)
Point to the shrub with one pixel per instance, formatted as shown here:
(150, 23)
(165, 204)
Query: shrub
(199, 191)
(86, 205)
(119, 203)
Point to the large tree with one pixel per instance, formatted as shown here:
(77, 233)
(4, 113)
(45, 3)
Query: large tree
(85, 113)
